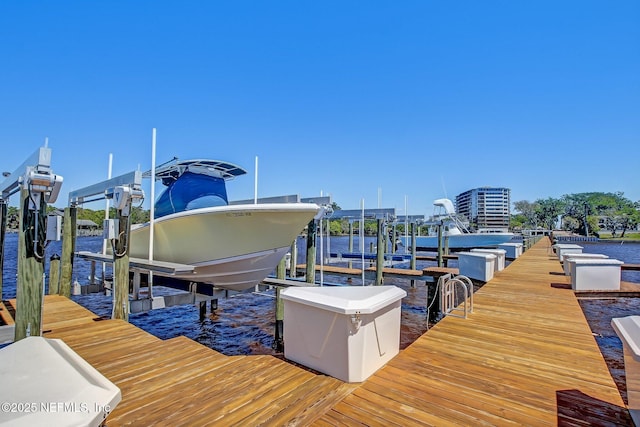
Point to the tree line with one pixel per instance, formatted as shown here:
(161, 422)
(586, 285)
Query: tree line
(581, 213)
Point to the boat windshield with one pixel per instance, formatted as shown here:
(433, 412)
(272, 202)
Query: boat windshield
(191, 191)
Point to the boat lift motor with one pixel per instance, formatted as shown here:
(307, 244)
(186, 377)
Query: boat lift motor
(124, 196)
(41, 184)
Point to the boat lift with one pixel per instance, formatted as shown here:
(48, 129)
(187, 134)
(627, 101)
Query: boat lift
(38, 187)
(124, 191)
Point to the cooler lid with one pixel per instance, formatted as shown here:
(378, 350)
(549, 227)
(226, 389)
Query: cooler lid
(49, 384)
(345, 299)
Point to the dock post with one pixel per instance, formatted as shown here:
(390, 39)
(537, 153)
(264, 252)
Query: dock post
(68, 248)
(203, 310)
(433, 301)
(54, 274)
(413, 251)
(392, 239)
(29, 289)
(311, 252)
(281, 268)
(380, 253)
(293, 261)
(439, 257)
(350, 264)
(278, 343)
(3, 229)
(92, 274)
(445, 261)
(121, 269)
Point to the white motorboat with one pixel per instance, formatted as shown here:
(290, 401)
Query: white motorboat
(231, 246)
(455, 232)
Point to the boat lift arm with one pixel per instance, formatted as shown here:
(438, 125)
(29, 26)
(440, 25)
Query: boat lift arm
(128, 185)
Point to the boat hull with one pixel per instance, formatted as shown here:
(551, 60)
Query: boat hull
(232, 247)
(460, 241)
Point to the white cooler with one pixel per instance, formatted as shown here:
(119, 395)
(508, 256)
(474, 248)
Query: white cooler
(45, 383)
(348, 332)
(595, 274)
(566, 260)
(566, 248)
(500, 254)
(513, 250)
(628, 330)
(477, 265)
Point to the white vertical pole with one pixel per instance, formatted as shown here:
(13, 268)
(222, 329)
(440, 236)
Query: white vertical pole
(406, 220)
(321, 256)
(362, 238)
(106, 215)
(255, 184)
(152, 211)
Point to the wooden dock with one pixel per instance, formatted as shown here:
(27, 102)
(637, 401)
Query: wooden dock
(526, 356)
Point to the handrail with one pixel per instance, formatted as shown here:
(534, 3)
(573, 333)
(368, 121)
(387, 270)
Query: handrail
(448, 295)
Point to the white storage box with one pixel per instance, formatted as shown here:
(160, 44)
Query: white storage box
(500, 254)
(566, 265)
(45, 383)
(513, 250)
(348, 332)
(477, 265)
(566, 248)
(628, 330)
(595, 274)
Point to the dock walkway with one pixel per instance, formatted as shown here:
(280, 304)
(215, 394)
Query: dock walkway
(526, 356)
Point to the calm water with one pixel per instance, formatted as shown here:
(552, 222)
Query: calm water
(244, 323)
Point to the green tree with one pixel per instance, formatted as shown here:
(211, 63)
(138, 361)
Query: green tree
(548, 210)
(529, 212)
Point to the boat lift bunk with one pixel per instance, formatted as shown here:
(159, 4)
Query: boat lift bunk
(123, 190)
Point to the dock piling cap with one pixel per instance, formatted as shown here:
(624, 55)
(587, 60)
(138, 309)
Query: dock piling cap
(345, 299)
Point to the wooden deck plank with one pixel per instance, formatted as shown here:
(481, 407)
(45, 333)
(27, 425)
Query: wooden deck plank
(5, 317)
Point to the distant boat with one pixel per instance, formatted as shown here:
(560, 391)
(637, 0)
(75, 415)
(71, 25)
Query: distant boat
(458, 235)
(231, 246)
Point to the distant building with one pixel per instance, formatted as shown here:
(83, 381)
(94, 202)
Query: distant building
(485, 207)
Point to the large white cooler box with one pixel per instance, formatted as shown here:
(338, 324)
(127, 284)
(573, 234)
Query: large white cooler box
(501, 256)
(348, 332)
(566, 260)
(628, 330)
(592, 274)
(477, 265)
(566, 248)
(513, 250)
(45, 383)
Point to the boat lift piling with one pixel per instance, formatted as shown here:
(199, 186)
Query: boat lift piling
(3, 228)
(311, 252)
(123, 190)
(38, 186)
(68, 249)
(54, 274)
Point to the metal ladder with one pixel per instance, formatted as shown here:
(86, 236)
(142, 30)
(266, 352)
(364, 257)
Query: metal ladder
(449, 286)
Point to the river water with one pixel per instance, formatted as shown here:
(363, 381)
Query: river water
(244, 323)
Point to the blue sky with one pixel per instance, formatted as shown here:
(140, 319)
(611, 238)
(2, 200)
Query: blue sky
(393, 103)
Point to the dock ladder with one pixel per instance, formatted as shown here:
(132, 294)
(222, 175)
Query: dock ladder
(450, 287)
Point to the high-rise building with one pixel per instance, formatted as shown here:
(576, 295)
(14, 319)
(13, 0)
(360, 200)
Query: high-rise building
(485, 207)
